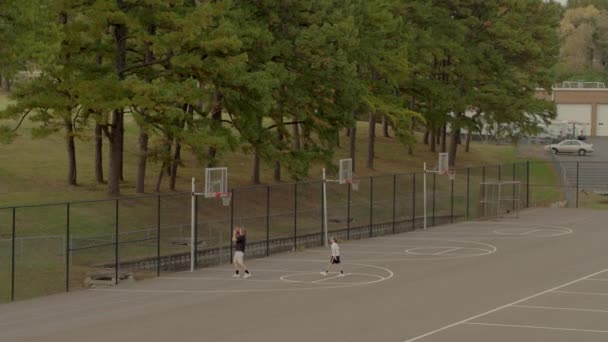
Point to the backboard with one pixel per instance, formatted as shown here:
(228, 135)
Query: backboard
(216, 181)
(346, 170)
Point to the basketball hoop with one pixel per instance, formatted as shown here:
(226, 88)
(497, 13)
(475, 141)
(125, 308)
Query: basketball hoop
(354, 183)
(225, 196)
(451, 174)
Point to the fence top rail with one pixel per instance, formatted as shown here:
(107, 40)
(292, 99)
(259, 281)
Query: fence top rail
(112, 199)
(263, 186)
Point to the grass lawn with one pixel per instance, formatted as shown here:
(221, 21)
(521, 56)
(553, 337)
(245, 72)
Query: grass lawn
(34, 170)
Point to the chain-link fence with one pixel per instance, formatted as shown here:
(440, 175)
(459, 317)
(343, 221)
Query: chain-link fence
(47, 249)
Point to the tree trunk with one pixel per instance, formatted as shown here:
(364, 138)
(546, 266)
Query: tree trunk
(116, 149)
(143, 160)
(372, 141)
(385, 125)
(216, 116)
(175, 164)
(277, 163)
(8, 84)
(433, 139)
(426, 136)
(71, 148)
(255, 174)
(159, 180)
(99, 153)
(438, 135)
(353, 145)
(338, 138)
(444, 135)
(454, 140)
(117, 136)
(468, 142)
(143, 133)
(296, 136)
(348, 132)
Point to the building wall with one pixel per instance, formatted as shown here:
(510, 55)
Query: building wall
(583, 96)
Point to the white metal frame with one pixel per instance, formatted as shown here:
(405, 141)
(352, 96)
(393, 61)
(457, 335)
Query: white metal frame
(442, 169)
(211, 182)
(210, 192)
(345, 165)
(492, 194)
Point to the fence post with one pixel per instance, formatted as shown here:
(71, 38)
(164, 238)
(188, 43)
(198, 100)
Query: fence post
(158, 235)
(116, 241)
(13, 255)
(371, 206)
(67, 248)
(232, 202)
(468, 191)
(348, 212)
(483, 180)
(295, 216)
(413, 201)
(451, 201)
(394, 199)
(267, 220)
(513, 192)
(577, 184)
(433, 203)
(499, 172)
(323, 213)
(195, 231)
(527, 184)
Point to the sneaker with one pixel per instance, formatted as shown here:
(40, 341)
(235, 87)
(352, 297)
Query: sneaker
(323, 273)
(235, 276)
(247, 275)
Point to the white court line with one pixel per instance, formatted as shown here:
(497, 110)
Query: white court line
(532, 231)
(257, 270)
(324, 279)
(583, 293)
(503, 307)
(536, 327)
(218, 278)
(597, 279)
(449, 250)
(558, 308)
(389, 275)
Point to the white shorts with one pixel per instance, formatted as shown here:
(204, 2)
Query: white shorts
(238, 257)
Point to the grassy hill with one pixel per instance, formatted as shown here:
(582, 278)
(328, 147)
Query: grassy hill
(34, 170)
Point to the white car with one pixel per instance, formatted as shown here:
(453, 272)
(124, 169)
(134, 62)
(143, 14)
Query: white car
(570, 146)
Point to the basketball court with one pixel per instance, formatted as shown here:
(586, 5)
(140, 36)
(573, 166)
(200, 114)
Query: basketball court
(540, 277)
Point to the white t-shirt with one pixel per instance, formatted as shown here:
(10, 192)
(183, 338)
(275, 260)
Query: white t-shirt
(335, 249)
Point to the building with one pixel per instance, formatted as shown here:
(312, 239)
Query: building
(581, 106)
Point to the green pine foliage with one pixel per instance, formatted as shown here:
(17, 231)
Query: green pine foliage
(216, 76)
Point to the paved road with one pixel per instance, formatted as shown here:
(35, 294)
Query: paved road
(539, 278)
(592, 168)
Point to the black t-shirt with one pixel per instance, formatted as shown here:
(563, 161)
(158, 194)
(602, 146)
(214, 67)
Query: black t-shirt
(241, 240)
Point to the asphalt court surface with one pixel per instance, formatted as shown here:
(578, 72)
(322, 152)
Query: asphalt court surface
(540, 277)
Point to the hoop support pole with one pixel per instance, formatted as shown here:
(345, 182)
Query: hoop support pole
(424, 194)
(324, 209)
(192, 225)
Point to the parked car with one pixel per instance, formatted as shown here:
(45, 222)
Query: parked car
(570, 146)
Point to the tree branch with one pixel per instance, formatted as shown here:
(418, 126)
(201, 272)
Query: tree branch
(285, 124)
(144, 64)
(21, 120)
